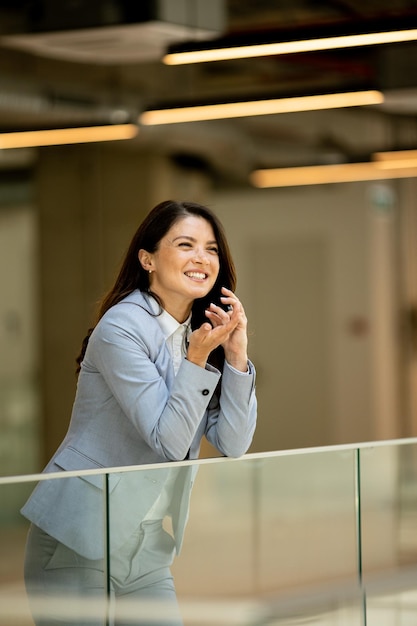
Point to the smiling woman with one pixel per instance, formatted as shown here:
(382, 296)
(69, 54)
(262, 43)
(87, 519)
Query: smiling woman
(165, 365)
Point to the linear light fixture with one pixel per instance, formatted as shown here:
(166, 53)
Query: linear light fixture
(184, 57)
(325, 174)
(197, 113)
(395, 159)
(62, 136)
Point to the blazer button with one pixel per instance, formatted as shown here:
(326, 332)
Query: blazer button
(205, 392)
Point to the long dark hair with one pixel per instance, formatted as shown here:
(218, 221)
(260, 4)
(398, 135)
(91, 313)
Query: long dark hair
(147, 237)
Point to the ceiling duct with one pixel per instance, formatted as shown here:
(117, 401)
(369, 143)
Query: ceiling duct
(113, 31)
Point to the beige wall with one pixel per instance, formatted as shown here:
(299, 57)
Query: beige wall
(318, 271)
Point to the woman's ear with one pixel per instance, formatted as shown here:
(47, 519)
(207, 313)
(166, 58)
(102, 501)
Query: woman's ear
(146, 260)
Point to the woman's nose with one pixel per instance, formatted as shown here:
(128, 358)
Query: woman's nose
(200, 255)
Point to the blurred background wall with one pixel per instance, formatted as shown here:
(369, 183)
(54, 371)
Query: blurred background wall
(327, 272)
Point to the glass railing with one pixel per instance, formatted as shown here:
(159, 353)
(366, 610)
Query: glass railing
(324, 536)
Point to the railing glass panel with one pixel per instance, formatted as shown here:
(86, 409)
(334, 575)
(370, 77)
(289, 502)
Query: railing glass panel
(321, 536)
(274, 535)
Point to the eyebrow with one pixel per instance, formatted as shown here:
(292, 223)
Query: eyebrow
(193, 239)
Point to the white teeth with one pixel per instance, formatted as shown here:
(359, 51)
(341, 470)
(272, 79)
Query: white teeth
(199, 275)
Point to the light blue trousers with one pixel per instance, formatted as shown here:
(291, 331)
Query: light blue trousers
(138, 590)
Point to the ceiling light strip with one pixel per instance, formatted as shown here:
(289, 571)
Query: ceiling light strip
(62, 136)
(260, 107)
(395, 159)
(289, 47)
(325, 174)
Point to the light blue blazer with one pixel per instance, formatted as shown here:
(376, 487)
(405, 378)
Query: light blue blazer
(131, 409)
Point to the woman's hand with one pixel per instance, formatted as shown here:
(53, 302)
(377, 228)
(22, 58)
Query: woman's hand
(227, 328)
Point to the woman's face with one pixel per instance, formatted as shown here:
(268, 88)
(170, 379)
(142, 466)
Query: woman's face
(185, 266)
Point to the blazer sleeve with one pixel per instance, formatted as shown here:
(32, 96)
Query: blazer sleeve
(232, 418)
(166, 416)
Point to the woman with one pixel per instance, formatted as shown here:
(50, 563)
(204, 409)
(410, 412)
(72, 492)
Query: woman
(165, 365)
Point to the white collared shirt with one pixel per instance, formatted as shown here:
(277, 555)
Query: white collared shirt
(176, 334)
(176, 337)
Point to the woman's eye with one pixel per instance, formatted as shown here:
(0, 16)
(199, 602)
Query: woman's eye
(185, 244)
(214, 250)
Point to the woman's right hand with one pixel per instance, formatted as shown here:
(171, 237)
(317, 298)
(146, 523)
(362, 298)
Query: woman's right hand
(207, 338)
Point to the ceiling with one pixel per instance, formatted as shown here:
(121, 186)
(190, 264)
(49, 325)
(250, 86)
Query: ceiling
(95, 69)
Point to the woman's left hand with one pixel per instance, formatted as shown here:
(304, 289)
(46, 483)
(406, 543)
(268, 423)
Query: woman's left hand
(236, 344)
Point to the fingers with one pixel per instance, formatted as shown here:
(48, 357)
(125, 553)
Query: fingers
(217, 315)
(226, 328)
(205, 339)
(238, 312)
(230, 299)
(230, 304)
(224, 321)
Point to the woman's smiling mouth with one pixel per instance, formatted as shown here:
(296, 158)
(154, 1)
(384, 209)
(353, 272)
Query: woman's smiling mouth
(196, 275)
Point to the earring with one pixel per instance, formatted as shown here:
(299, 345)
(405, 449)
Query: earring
(150, 271)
